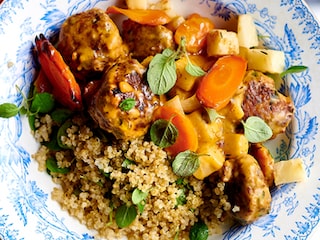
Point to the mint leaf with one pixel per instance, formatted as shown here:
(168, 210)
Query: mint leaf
(163, 133)
(125, 215)
(127, 104)
(8, 110)
(256, 130)
(185, 163)
(42, 103)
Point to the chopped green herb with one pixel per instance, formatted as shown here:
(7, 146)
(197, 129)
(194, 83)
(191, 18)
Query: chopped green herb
(139, 199)
(127, 104)
(125, 215)
(53, 167)
(63, 132)
(213, 114)
(256, 130)
(199, 231)
(61, 115)
(185, 163)
(163, 133)
(126, 163)
(294, 69)
(181, 199)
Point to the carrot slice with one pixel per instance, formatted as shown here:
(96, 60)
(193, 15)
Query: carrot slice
(149, 16)
(221, 82)
(187, 136)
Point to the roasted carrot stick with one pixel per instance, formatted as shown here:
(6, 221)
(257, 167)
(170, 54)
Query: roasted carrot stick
(149, 16)
(221, 82)
(187, 136)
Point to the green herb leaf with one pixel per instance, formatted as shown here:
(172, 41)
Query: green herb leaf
(125, 215)
(293, 69)
(256, 130)
(185, 163)
(127, 104)
(194, 70)
(163, 133)
(181, 199)
(138, 196)
(141, 206)
(162, 75)
(42, 103)
(199, 231)
(8, 110)
(126, 163)
(61, 115)
(62, 131)
(52, 166)
(213, 114)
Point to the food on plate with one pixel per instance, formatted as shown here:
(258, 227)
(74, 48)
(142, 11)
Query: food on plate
(155, 128)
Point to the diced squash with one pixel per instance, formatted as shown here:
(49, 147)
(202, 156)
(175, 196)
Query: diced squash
(289, 171)
(235, 145)
(137, 4)
(175, 23)
(211, 160)
(190, 104)
(247, 32)
(264, 60)
(175, 103)
(176, 91)
(221, 42)
(207, 132)
(184, 80)
(235, 111)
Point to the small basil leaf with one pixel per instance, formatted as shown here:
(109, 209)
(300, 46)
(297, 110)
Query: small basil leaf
(194, 70)
(125, 215)
(162, 75)
(294, 69)
(62, 131)
(163, 133)
(256, 130)
(8, 110)
(199, 231)
(185, 163)
(42, 103)
(61, 115)
(138, 196)
(127, 104)
(52, 166)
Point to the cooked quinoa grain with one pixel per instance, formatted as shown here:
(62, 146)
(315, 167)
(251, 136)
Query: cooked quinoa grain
(103, 173)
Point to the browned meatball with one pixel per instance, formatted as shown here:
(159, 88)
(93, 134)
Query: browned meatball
(263, 100)
(124, 82)
(90, 42)
(146, 40)
(246, 189)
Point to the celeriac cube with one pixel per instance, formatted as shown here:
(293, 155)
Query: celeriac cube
(222, 42)
(247, 32)
(289, 171)
(137, 4)
(264, 60)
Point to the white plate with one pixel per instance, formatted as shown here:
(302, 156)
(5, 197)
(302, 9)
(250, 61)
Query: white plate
(26, 210)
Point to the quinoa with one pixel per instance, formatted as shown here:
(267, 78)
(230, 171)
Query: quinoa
(104, 172)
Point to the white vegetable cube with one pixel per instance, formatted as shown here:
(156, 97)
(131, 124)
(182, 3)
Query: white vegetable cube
(222, 42)
(137, 4)
(265, 60)
(289, 171)
(247, 32)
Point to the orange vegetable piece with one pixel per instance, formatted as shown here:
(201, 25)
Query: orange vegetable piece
(218, 86)
(195, 30)
(148, 16)
(187, 135)
(64, 85)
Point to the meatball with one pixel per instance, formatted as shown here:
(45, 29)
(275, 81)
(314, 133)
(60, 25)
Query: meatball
(263, 100)
(89, 43)
(246, 189)
(146, 40)
(124, 82)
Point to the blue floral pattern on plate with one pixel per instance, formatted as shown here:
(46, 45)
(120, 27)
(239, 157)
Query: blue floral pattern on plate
(26, 210)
